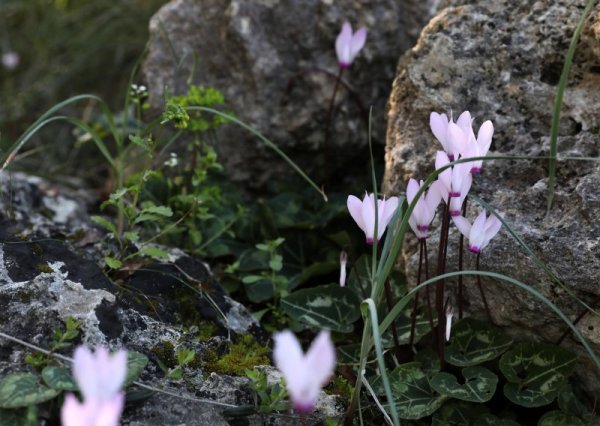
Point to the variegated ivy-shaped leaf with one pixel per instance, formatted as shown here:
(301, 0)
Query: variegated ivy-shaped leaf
(330, 306)
(474, 342)
(535, 372)
(136, 362)
(560, 418)
(480, 384)
(59, 378)
(22, 390)
(412, 393)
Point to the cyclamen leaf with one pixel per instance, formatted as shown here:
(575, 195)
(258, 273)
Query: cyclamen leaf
(136, 362)
(560, 418)
(22, 390)
(535, 372)
(458, 413)
(413, 395)
(480, 384)
(331, 306)
(59, 378)
(474, 342)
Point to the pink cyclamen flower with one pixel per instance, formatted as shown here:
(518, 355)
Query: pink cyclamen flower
(343, 262)
(481, 232)
(479, 147)
(453, 137)
(100, 377)
(424, 210)
(456, 182)
(347, 45)
(363, 213)
(305, 374)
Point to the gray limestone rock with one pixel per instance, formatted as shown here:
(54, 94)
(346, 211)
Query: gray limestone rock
(502, 61)
(275, 62)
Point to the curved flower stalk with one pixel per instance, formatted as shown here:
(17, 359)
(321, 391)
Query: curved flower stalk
(305, 374)
(424, 210)
(363, 213)
(347, 44)
(100, 377)
(481, 232)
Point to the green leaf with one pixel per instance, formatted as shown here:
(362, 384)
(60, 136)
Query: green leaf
(155, 252)
(413, 395)
(480, 384)
(333, 307)
(13, 418)
(491, 420)
(132, 236)
(474, 342)
(159, 210)
(404, 324)
(535, 372)
(458, 413)
(560, 418)
(258, 289)
(573, 401)
(136, 362)
(59, 378)
(429, 359)
(22, 390)
(360, 277)
(112, 263)
(105, 223)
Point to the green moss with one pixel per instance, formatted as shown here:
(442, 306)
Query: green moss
(245, 354)
(43, 267)
(206, 330)
(340, 386)
(165, 352)
(195, 363)
(37, 249)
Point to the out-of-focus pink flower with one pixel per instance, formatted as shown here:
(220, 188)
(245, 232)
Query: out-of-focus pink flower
(10, 60)
(424, 210)
(456, 182)
(454, 137)
(347, 44)
(363, 213)
(481, 232)
(305, 374)
(343, 262)
(100, 377)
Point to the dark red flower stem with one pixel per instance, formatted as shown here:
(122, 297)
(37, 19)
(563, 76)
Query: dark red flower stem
(485, 303)
(331, 104)
(439, 288)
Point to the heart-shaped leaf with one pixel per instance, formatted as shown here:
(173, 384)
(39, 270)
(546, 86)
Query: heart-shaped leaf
(574, 401)
(59, 378)
(330, 306)
(560, 418)
(412, 393)
(136, 362)
(474, 342)
(480, 384)
(22, 390)
(535, 372)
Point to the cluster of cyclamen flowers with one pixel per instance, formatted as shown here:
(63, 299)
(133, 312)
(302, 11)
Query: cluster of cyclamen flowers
(452, 186)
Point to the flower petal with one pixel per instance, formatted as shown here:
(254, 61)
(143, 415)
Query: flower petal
(358, 42)
(484, 137)
(411, 190)
(439, 125)
(355, 209)
(320, 359)
(462, 224)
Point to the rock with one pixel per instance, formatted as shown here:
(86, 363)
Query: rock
(275, 62)
(154, 309)
(502, 61)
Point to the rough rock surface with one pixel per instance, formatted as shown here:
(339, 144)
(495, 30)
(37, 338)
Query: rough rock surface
(268, 57)
(48, 274)
(502, 61)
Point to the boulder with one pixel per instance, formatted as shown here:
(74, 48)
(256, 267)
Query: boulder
(502, 61)
(49, 272)
(275, 62)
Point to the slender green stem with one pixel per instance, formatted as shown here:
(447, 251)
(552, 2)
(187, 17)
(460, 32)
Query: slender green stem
(560, 91)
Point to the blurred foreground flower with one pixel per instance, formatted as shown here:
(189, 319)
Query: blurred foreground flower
(347, 45)
(363, 213)
(305, 374)
(10, 60)
(481, 232)
(100, 377)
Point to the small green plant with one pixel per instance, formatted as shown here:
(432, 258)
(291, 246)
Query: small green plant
(61, 341)
(267, 399)
(183, 357)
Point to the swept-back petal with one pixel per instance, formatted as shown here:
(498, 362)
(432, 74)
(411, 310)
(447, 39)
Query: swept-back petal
(411, 190)
(484, 137)
(320, 359)
(457, 140)
(368, 215)
(85, 372)
(355, 209)
(73, 413)
(389, 208)
(343, 39)
(110, 411)
(439, 126)
(477, 234)
(441, 160)
(434, 196)
(462, 224)
(464, 120)
(358, 42)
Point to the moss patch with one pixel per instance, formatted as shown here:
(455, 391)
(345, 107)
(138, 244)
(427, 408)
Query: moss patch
(245, 354)
(165, 352)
